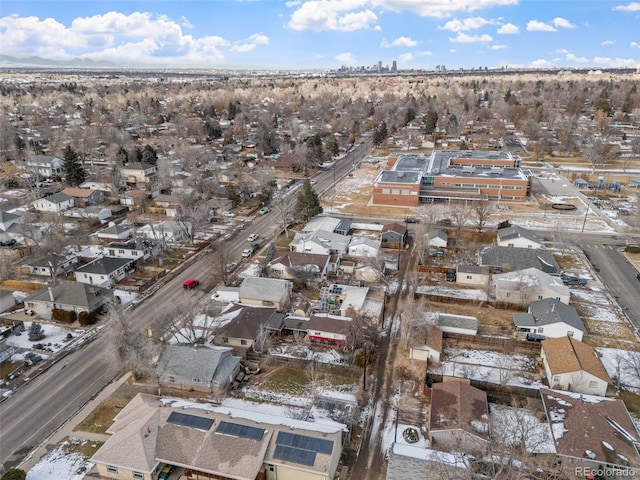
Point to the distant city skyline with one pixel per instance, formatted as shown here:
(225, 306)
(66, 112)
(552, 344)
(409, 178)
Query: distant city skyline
(326, 34)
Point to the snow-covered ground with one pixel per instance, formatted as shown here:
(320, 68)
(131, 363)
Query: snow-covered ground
(489, 366)
(304, 352)
(59, 465)
(465, 293)
(624, 363)
(55, 339)
(511, 426)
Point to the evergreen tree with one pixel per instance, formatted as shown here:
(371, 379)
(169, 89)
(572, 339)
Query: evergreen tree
(149, 155)
(36, 332)
(430, 122)
(234, 196)
(122, 157)
(73, 169)
(308, 204)
(380, 134)
(603, 104)
(14, 474)
(332, 145)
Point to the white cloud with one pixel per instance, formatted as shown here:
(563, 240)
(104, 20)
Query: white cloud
(465, 25)
(438, 8)
(377, 28)
(401, 41)
(608, 42)
(631, 7)
(464, 38)
(541, 63)
(321, 15)
(346, 58)
(406, 57)
(574, 58)
(497, 47)
(293, 4)
(452, 50)
(634, 45)
(537, 26)
(253, 41)
(615, 62)
(562, 23)
(508, 29)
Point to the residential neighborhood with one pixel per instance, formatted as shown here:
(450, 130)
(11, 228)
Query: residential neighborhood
(252, 288)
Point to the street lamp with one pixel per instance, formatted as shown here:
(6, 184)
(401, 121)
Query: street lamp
(585, 218)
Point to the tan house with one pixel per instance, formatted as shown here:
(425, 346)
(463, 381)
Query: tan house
(269, 292)
(207, 442)
(430, 349)
(240, 325)
(138, 172)
(472, 275)
(525, 286)
(458, 419)
(574, 366)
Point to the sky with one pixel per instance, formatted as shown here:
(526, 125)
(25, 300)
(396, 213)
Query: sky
(326, 34)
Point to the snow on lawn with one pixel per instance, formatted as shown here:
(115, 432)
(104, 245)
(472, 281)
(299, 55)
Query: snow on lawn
(399, 439)
(55, 339)
(510, 426)
(468, 293)
(492, 367)
(304, 352)
(611, 357)
(387, 434)
(602, 314)
(58, 464)
(252, 270)
(595, 296)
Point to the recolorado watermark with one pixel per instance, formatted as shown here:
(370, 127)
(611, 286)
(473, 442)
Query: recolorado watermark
(606, 472)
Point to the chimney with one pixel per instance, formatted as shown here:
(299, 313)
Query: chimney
(51, 294)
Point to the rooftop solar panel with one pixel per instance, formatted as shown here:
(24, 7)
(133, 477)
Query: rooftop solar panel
(192, 421)
(304, 442)
(295, 455)
(238, 430)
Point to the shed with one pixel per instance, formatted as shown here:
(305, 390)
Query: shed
(460, 324)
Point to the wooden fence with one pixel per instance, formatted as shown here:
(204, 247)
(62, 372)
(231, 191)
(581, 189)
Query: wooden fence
(302, 363)
(495, 392)
(507, 345)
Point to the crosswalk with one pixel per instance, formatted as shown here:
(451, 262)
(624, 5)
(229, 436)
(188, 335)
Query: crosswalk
(588, 246)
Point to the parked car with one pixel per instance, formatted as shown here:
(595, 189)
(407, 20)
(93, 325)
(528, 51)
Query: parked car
(247, 252)
(535, 337)
(228, 214)
(571, 280)
(190, 284)
(638, 275)
(263, 210)
(166, 472)
(252, 238)
(412, 220)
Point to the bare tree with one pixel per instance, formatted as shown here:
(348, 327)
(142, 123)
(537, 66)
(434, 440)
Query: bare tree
(191, 215)
(482, 211)
(187, 323)
(597, 150)
(222, 267)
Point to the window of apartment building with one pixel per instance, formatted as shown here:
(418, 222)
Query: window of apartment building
(395, 191)
(138, 475)
(428, 181)
(406, 192)
(593, 384)
(386, 191)
(112, 469)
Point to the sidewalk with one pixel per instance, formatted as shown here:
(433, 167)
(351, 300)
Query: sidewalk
(67, 429)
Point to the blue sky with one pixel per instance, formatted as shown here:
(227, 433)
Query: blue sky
(322, 34)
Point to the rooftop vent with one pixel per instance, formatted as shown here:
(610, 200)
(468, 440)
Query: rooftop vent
(400, 174)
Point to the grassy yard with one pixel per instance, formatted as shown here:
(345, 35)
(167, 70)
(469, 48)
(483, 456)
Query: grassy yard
(632, 401)
(102, 417)
(81, 446)
(491, 321)
(294, 381)
(569, 262)
(609, 334)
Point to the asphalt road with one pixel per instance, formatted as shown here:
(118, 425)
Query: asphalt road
(618, 276)
(47, 402)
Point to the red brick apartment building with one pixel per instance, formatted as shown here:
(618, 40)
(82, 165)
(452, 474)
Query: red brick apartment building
(451, 175)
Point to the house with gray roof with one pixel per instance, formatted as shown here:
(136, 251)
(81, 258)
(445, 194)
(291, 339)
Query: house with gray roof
(438, 238)
(199, 368)
(45, 165)
(551, 318)
(69, 296)
(460, 324)
(364, 247)
(311, 267)
(525, 286)
(207, 441)
(56, 203)
(270, 292)
(508, 259)
(516, 236)
(321, 241)
(408, 461)
(115, 232)
(104, 271)
(240, 325)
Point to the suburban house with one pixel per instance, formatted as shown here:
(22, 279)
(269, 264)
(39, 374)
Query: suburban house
(574, 366)
(56, 203)
(269, 292)
(321, 241)
(102, 214)
(69, 296)
(8, 219)
(328, 329)
(53, 265)
(85, 195)
(460, 324)
(337, 298)
(45, 165)
(115, 232)
(428, 349)
(525, 286)
(411, 462)
(438, 238)
(207, 442)
(364, 247)
(311, 267)
(197, 368)
(515, 236)
(592, 432)
(103, 271)
(240, 325)
(168, 231)
(459, 417)
(322, 223)
(508, 259)
(393, 235)
(551, 318)
(7, 300)
(472, 275)
(138, 172)
(133, 249)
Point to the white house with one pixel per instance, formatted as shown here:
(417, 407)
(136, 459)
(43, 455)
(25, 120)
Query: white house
(56, 203)
(438, 238)
(134, 249)
(169, 231)
(551, 318)
(115, 232)
(364, 247)
(525, 286)
(515, 236)
(45, 165)
(472, 275)
(574, 366)
(138, 172)
(321, 241)
(103, 271)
